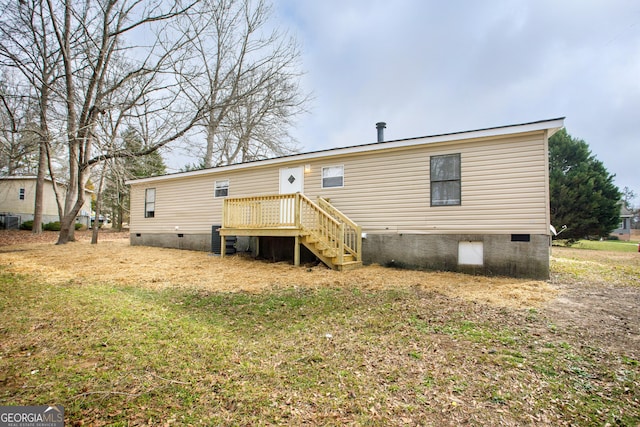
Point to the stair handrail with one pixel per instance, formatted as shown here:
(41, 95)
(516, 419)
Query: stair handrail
(353, 229)
(323, 226)
(330, 226)
(327, 206)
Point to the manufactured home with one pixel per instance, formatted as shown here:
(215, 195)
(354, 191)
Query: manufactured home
(474, 201)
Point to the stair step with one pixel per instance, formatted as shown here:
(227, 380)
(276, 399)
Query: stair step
(346, 258)
(349, 265)
(329, 253)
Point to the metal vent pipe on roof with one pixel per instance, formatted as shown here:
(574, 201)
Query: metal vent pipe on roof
(381, 126)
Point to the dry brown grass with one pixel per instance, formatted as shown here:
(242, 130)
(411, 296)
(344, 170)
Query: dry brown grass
(123, 335)
(115, 261)
(595, 268)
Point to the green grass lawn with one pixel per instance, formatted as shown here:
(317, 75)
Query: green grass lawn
(605, 245)
(127, 356)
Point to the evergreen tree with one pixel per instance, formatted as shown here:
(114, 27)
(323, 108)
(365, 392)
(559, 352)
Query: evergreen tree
(116, 193)
(582, 193)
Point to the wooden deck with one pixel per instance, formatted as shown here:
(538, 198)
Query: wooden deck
(324, 230)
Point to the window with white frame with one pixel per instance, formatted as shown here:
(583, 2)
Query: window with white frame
(221, 188)
(150, 203)
(333, 176)
(445, 180)
(21, 194)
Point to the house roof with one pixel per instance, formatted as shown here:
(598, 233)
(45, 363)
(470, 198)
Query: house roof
(29, 177)
(33, 178)
(553, 125)
(26, 178)
(625, 212)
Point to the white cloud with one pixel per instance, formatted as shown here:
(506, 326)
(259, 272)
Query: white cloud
(428, 67)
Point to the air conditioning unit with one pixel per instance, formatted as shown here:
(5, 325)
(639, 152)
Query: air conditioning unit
(9, 222)
(230, 242)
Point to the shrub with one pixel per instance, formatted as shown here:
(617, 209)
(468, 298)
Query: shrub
(27, 225)
(52, 226)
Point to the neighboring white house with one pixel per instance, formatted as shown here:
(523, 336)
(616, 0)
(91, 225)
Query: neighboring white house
(623, 232)
(474, 201)
(17, 201)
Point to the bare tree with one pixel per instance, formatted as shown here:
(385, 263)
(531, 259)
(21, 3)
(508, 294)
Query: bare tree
(116, 193)
(26, 46)
(156, 67)
(93, 38)
(249, 76)
(18, 132)
(257, 126)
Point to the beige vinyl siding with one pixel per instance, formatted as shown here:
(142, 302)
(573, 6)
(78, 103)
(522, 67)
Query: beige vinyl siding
(503, 182)
(503, 188)
(9, 196)
(11, 203)
(189, 203)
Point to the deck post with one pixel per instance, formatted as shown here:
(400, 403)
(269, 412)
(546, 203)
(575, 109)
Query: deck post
(296, 251)
(223, 239)
(341, 244)
(359, 243)
(297, 211)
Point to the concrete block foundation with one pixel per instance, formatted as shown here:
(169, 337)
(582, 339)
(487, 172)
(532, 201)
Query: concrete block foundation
(194, 242)
(514, 255)
(502, 255)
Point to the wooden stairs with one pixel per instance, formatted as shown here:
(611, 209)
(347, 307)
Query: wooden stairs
(329, 234)
(328, 255)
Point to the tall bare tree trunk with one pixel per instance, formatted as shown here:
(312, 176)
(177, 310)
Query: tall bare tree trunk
(96, 81)
(43, 152)
(96, 221)
(39, 196)
(119, 212)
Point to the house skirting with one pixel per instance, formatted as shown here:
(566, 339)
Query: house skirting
(193, 242)
(515, 255)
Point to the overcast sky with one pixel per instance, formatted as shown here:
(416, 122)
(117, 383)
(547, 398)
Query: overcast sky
(429, 66)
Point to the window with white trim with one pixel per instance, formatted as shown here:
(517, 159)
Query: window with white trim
(21, 194)
(221, 188)
(445, 180)
(333, 176)
(150, 203)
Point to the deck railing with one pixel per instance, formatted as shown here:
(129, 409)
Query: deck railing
(352, 231)
(333, 229)
(274, 211)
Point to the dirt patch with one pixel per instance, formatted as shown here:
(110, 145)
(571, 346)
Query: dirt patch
(599, 297)
(607, 315)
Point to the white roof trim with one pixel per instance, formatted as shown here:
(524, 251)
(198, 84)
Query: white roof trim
(553, 124)
(28, 178)
(21, 177)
